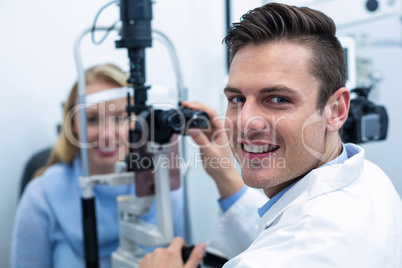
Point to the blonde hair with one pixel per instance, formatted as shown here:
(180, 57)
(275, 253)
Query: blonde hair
(65, 151)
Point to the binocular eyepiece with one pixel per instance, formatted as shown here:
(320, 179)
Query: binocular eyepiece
(179, 120)
(161, 125)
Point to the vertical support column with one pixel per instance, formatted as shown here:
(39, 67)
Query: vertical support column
(163, 202)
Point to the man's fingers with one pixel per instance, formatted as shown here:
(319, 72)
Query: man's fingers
(165, 257)
(199, 106)
(200, 138)
(177, 244)
(196, 256)
(202, 107)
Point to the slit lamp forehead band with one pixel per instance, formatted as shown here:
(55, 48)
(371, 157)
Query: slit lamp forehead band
(106, 95)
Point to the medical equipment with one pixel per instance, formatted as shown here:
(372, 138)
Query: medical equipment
(153, 129)
(366, 121)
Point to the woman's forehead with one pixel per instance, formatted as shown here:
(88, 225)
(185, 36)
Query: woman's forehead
(113, 106)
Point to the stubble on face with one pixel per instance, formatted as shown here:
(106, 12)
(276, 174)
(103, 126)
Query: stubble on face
(276, 66)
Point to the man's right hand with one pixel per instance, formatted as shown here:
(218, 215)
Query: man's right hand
(215, 150)
(171, 256)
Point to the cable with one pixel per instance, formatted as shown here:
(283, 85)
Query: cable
(228, 23)
(107, 29)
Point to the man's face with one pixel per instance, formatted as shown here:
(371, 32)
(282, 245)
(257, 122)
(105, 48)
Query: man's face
(272, 106)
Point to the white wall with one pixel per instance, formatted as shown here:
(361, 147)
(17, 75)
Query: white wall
(37, 71)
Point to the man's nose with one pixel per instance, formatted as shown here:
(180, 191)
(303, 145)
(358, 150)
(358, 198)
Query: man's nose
(251, 117)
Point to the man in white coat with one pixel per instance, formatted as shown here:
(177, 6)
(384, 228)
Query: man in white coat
(328, 206)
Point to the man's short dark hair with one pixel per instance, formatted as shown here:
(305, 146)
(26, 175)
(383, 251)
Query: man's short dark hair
(278, 22)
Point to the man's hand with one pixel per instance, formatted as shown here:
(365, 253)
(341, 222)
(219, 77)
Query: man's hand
(171, 256)
(215, 150)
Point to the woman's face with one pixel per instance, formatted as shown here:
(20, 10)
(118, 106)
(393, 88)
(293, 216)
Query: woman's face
(107, 130)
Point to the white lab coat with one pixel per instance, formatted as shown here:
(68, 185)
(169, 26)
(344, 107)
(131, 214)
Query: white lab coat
(348, 215)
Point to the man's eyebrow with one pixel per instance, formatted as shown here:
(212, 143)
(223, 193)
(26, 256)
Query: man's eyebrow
(272, 89)
(284, 89)
(231, 89)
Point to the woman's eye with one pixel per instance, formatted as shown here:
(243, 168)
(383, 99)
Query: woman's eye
(92, 120)
(121, 118)
(279, 100)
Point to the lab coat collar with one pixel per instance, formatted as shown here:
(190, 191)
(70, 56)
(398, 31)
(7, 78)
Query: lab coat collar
(318, 182)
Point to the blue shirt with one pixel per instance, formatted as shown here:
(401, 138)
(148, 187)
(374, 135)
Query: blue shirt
(272, 201)
(48, 225)
(226, 203)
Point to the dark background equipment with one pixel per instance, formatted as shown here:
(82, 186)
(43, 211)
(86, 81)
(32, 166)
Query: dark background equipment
(366, 121)
(158, 125)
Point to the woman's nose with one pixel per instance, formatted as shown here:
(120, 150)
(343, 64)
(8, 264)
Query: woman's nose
(108, 131)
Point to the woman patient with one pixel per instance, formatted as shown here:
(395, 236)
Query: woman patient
(48, 225)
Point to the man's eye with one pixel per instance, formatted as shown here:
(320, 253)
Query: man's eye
(237, 99)
(279, 100)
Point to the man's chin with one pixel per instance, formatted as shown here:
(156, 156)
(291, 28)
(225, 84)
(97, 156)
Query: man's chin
(261, 179)
(254, 181)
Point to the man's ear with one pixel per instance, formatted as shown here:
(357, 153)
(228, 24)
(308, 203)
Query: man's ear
(337, 109)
